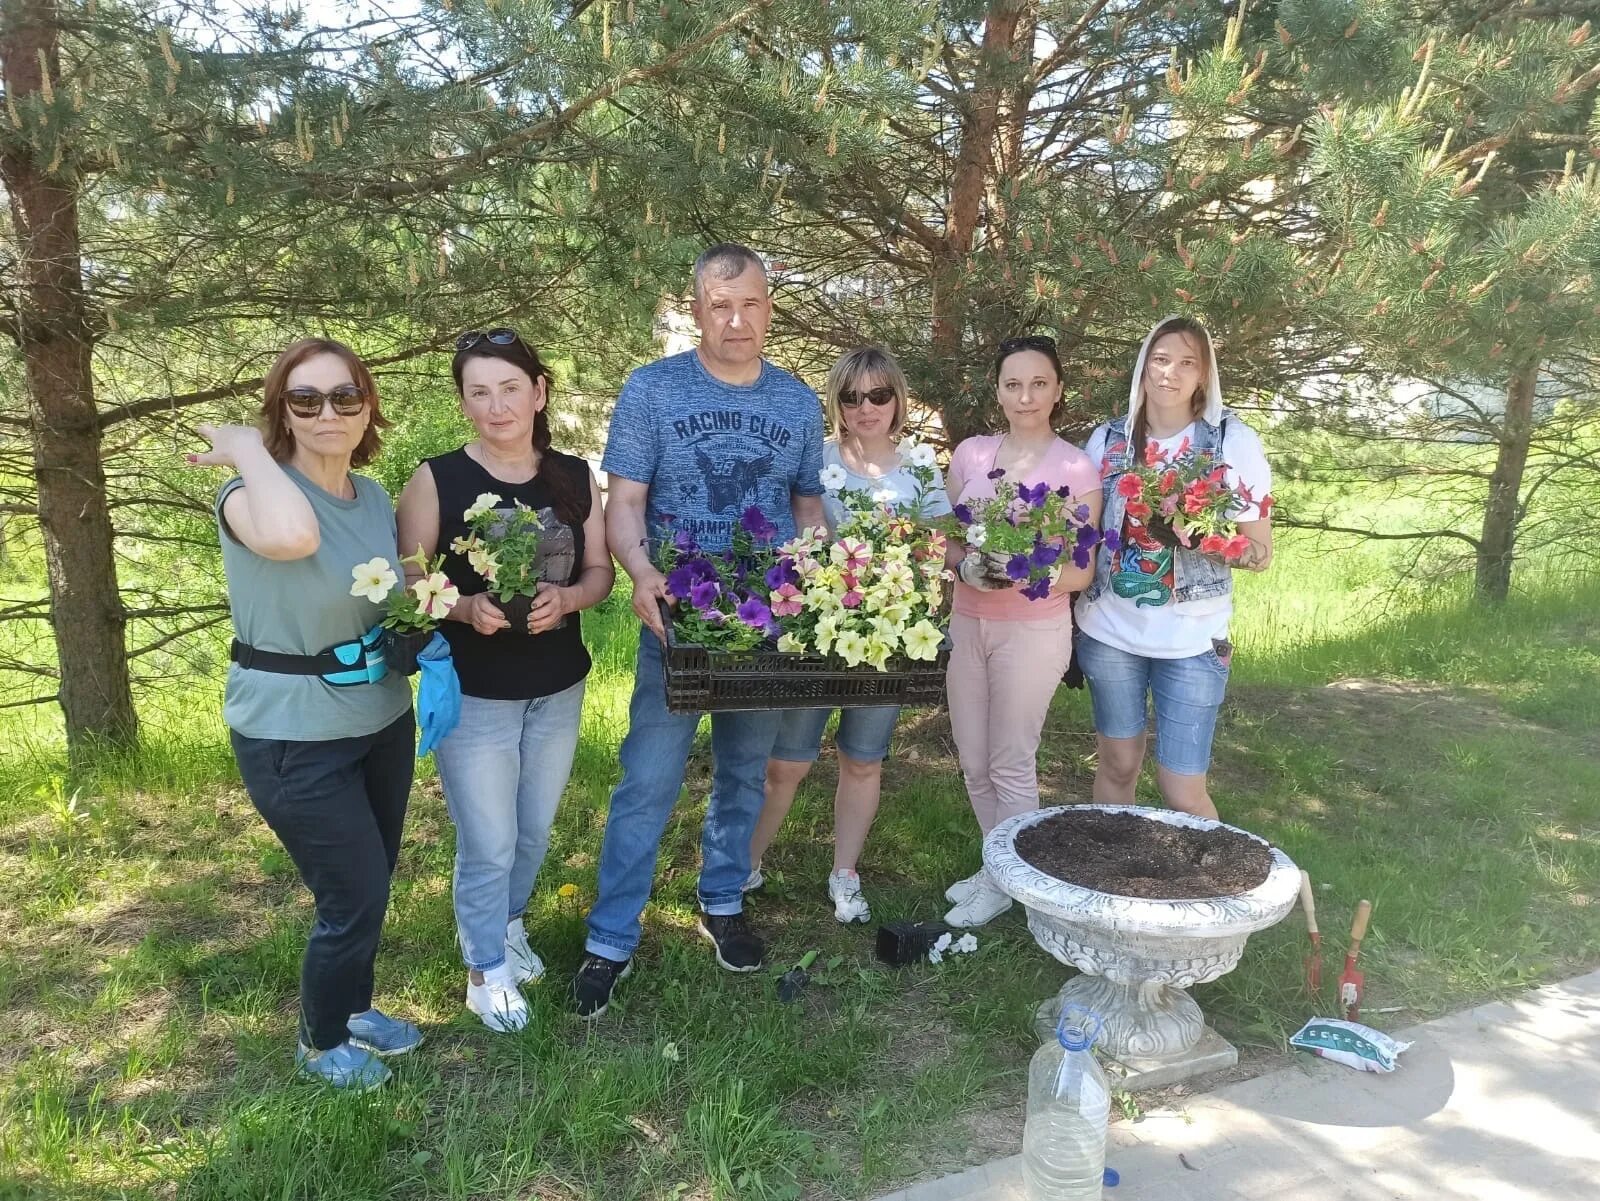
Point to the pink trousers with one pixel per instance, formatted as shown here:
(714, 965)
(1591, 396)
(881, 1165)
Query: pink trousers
(1001, 678)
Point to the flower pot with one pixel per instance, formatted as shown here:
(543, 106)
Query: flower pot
(401, 648)
(1138, 958)
(517, 609)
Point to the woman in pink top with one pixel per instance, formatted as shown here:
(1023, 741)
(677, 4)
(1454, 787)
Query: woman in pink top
(1010, 652)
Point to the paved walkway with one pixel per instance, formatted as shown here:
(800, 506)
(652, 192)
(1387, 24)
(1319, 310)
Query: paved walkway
(1500, 1103)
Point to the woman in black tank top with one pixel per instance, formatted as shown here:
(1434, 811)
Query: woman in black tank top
(503, 768)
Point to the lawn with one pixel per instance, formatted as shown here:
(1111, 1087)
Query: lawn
(1402, 746)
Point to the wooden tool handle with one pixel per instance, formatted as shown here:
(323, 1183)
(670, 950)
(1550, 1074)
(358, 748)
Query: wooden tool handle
(1358, 928)
(1308, 902)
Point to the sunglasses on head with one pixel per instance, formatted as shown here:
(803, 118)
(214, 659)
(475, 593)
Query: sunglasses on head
(1040, 342)
(347, 400)
(500, 337)
(851, 399)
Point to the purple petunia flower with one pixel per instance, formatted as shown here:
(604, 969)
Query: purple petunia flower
(1081, 513)
(1080, 557)
(997, 473)
(754, 613)
(684, 541)
(1044, 555)
(1064, 492)
(1112, 541)
(1087, 536)
(754, 522)
(782, 572)
(963, 514)
(1017, 567)
(679, 580)
(1037, 590)
(1034, 495)
(704, 593)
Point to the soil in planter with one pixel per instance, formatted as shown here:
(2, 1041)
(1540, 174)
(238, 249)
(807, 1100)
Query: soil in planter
(1136, 857)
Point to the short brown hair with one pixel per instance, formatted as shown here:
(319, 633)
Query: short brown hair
(275, 432)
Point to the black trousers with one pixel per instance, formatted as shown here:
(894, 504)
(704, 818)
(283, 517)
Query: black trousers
(338, 808)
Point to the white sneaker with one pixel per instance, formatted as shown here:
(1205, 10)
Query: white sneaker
(962, 889)
(982, 905)
(754, 880)
(498, 1000)
(844, 887)
(525, 965)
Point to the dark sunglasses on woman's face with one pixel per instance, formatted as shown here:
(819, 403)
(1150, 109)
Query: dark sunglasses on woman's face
(347, 400)
(852, 399)
(500, 337)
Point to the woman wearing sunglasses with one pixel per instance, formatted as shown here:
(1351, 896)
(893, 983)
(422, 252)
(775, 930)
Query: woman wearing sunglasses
(322, 732)
(1009, 652)
(505, 765)
(866, 407)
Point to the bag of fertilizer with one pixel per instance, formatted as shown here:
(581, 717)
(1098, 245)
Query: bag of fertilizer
(1354, 1045)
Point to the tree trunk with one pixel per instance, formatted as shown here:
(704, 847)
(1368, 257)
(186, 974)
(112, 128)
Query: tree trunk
(56, 344)
(972, 178)
(1503, 511)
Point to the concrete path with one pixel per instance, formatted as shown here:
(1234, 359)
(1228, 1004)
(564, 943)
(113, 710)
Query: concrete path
(1500, 1103)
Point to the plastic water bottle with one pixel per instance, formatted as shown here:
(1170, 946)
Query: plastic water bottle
(1064, 1141)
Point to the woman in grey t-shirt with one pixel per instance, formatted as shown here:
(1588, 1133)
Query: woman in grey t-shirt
(323, 734)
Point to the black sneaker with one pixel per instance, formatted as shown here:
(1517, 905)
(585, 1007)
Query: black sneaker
(739, 948)
(596, 979)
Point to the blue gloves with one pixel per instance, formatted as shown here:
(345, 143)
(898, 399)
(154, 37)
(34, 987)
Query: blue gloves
(438, 694)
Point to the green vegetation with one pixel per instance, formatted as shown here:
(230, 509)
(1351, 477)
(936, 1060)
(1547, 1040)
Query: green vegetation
(1401, 744)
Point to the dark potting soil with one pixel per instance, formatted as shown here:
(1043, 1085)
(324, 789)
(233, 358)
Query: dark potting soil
(1135, 857)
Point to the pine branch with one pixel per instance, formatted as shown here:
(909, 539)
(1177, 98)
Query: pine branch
(1410, 536)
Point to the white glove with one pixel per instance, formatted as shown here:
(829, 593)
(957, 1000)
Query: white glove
(974, 573)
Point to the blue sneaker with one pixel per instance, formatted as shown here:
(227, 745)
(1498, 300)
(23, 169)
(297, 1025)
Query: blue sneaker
(381, 1034)
(344, 1066)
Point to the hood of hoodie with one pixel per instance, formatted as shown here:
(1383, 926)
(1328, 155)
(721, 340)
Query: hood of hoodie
(1213, 409)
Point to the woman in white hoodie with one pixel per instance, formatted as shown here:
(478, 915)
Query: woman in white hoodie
(1154, 623)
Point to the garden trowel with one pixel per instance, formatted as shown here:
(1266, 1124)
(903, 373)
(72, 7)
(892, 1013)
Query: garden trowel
(1314, 960)
(1351, 981)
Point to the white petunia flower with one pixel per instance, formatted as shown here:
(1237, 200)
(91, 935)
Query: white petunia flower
(374, 579)
(943, 943)
(833, 477)
(885, 496)
(934, 956)
(485, 502)
(966, 944)
(977, 535)
(435, 595)
(918, 454)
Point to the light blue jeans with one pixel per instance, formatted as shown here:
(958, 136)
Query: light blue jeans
(654, 755)
(1187, 694)
(503, 769)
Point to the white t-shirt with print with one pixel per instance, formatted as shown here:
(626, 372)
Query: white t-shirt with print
(1151, 623)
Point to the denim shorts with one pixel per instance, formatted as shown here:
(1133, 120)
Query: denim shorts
(863, 733)
(1187, 692)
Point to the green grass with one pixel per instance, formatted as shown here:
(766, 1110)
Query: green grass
(1398, 743)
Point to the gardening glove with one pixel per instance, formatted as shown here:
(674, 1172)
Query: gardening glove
(438, 694)
(995, 563)
(973, 573)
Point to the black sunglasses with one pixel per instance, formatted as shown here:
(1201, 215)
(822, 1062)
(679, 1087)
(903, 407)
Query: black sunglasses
(1029, 342)
(347, 400)
(851, 399)
(500, 337)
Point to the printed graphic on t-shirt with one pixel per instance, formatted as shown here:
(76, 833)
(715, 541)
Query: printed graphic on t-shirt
(736, 457)
(558, 549)
(1142, 569)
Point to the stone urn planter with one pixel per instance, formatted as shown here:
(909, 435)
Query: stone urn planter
(1137, 957)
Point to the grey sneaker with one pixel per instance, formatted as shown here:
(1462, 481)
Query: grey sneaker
(754, 880)
(381, 1034)
(962, 889)
(344, 1066)
(525, 964)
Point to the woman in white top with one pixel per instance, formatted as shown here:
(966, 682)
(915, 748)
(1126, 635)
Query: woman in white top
(1155, 620)
(866, 408)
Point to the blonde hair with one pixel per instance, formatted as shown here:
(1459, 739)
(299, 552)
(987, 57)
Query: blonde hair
(854, 366)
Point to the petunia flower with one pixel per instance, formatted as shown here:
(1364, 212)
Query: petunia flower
(754, 613)
(374, 579)
(923, 641)
(790, 644)
(436, 595)
(1037, 590)
(832, 477)
(704, 594)
(1130, 486)
(1017, 567)
(997, 473)
(917, 454)
(977, 535)
(962, 513)
(680, 580)
(754, 522)
(1033, 496)
(485, 502)
(786, 601)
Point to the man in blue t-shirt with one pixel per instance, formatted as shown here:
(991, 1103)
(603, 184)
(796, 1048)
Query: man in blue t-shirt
(696, 438)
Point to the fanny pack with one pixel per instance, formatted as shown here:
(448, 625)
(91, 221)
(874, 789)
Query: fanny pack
(359, 661)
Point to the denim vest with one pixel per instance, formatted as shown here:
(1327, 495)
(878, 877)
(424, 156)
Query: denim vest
(1195, 577)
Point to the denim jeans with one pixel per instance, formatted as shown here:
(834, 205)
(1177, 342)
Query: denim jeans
(1187, 694)
(654, 755)
(338, 808)
(503, 769)
(864, 733)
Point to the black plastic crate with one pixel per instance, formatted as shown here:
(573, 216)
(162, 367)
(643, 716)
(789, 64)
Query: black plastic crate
(707, 681)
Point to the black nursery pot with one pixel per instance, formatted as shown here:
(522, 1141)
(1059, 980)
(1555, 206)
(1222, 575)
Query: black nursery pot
(516, 610)
(401, 648)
